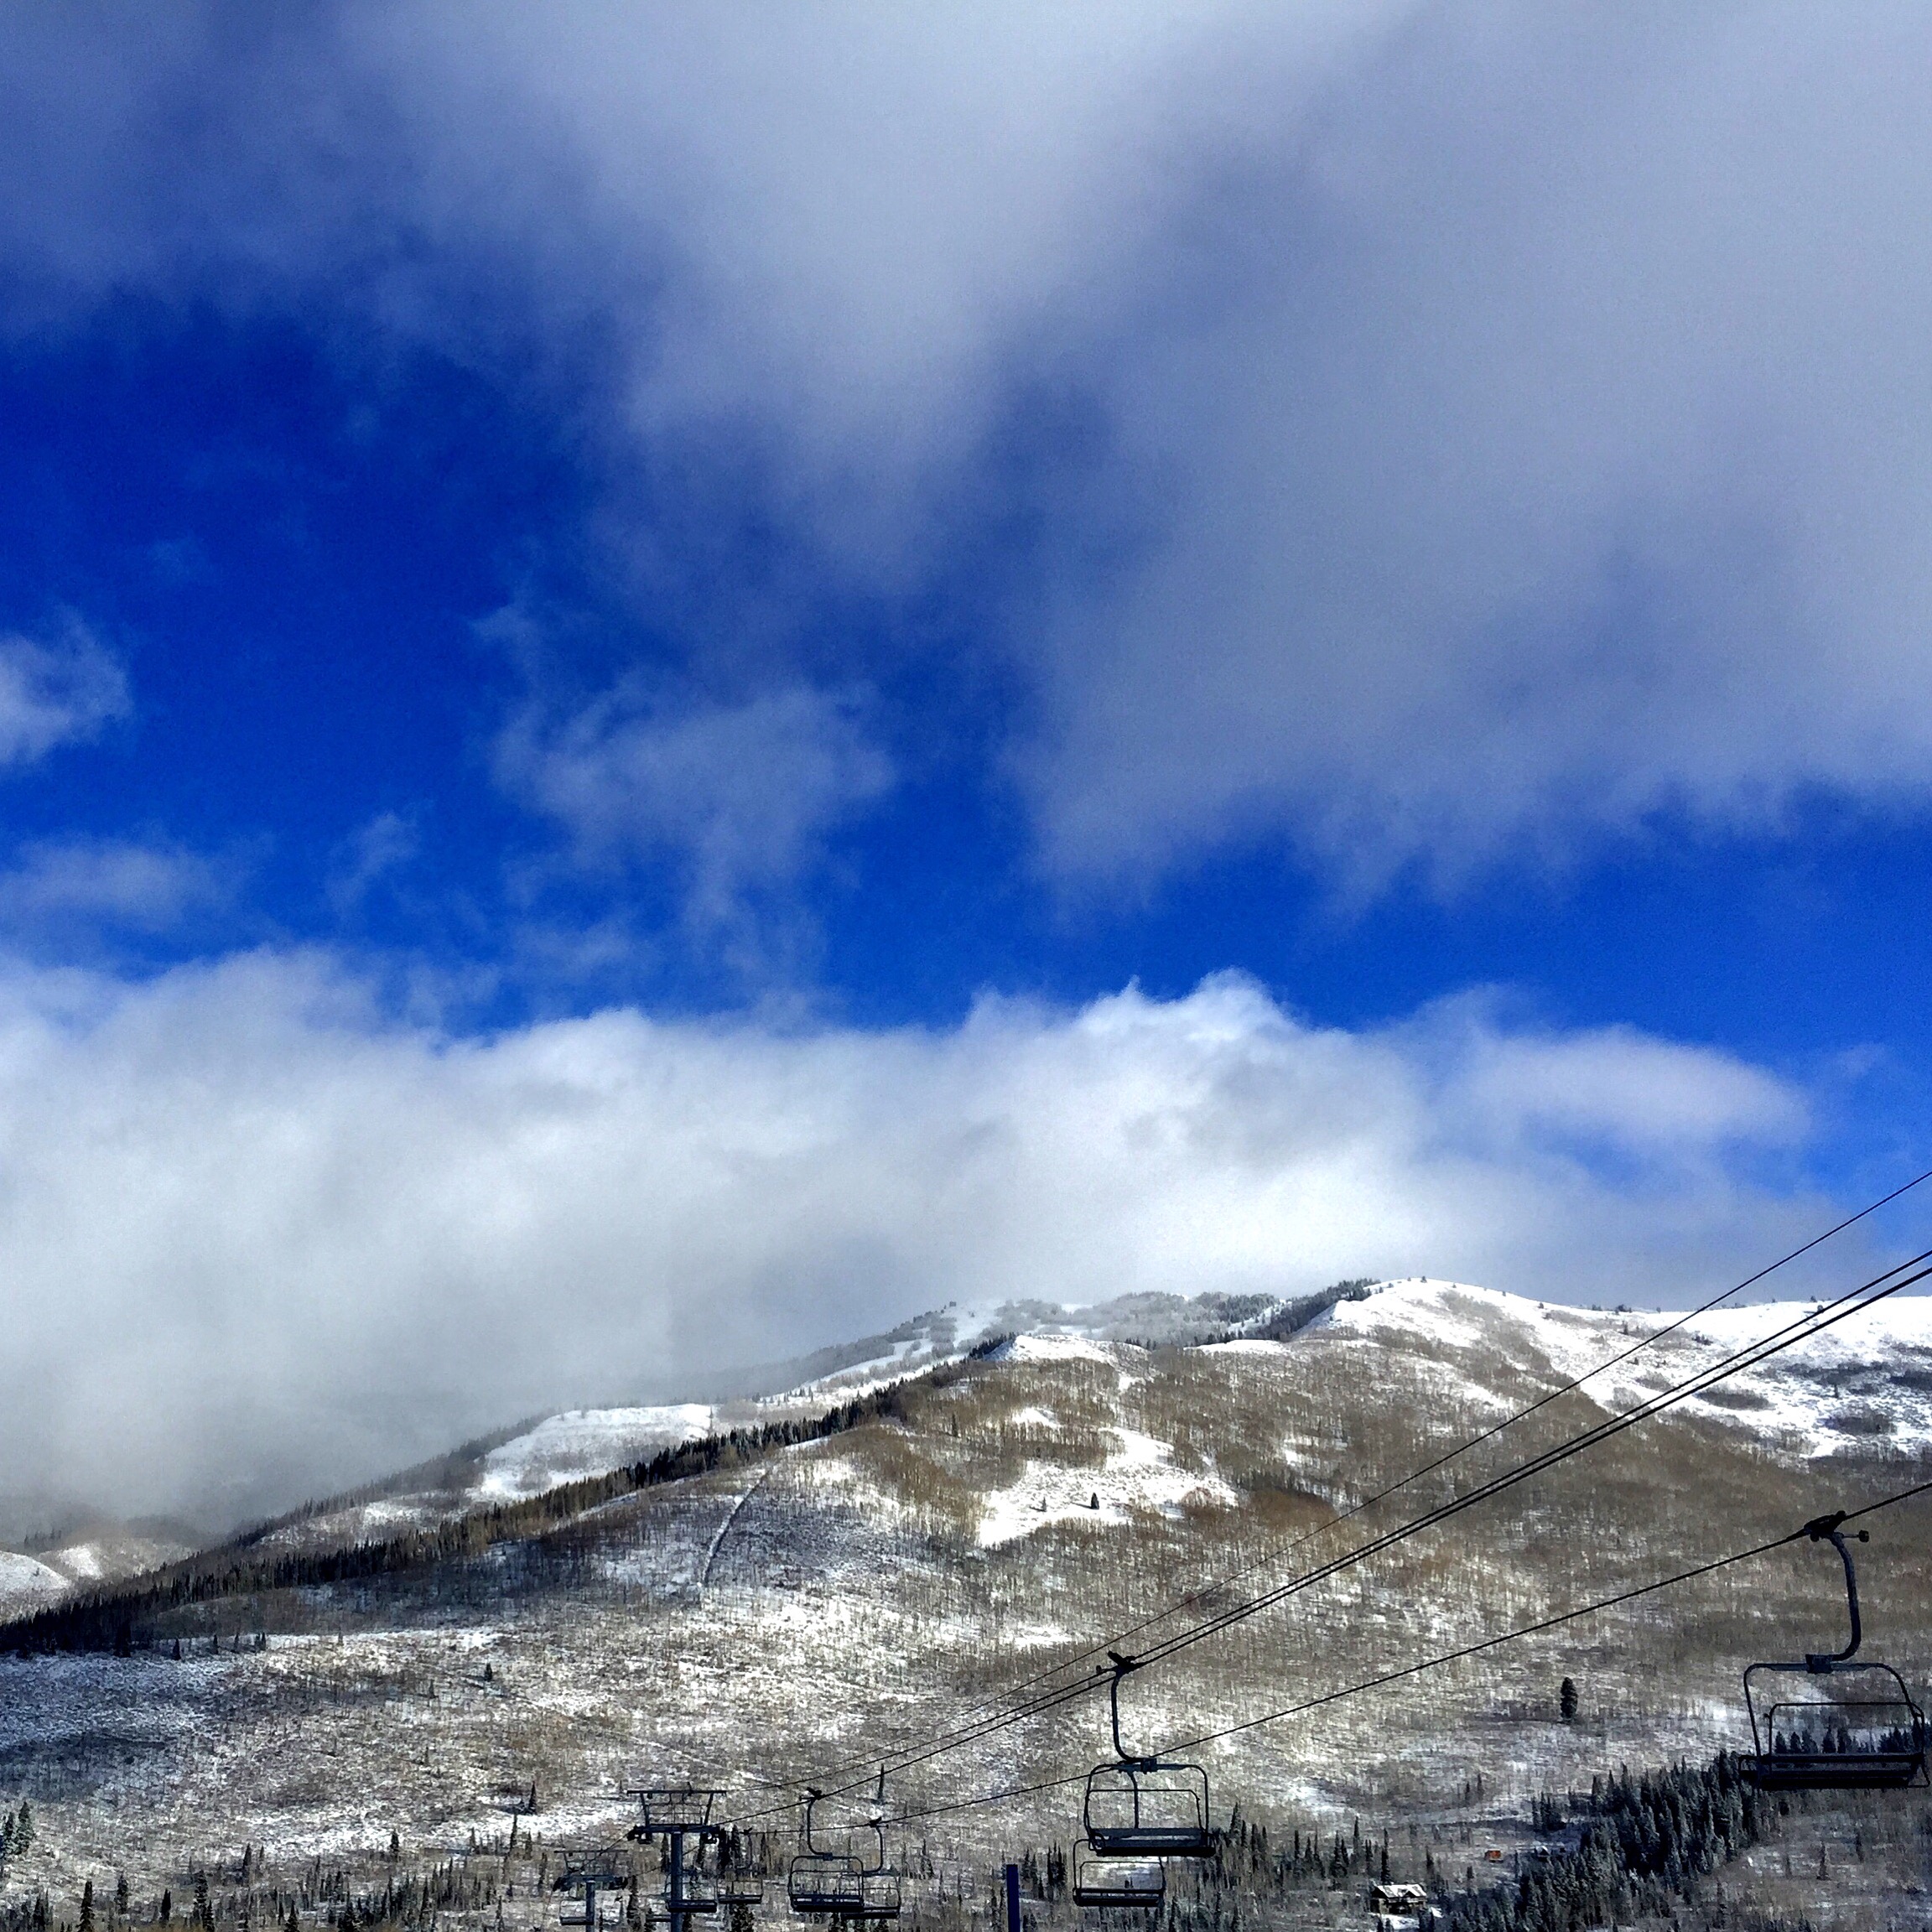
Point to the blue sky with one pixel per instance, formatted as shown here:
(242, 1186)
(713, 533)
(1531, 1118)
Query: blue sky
(846, 541)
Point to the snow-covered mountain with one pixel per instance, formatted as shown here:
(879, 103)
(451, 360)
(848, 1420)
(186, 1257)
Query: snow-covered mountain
(960, 1506)
(1870, 1377)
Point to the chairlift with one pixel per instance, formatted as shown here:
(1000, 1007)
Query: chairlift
(834, 1885)
(601, 1868)
(666, 1808)
(1146, 1807)
(1107, 1883)
(696, 1893)
(740, 1888)
(828, 1881)
(1858, 1731)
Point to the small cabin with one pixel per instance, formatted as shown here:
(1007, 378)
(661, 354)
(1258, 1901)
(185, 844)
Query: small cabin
(1399, 1899)
(1400, 1907)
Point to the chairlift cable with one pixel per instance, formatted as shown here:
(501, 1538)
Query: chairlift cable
(1747, 1357)
(1803, 1328)
(1388, 1677)
(1003, 1706)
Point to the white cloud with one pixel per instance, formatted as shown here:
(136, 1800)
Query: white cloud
(1513, 424)
(1553, 451)
(61, 886)
(744, 794)
(57, 693)
(258, 1240)
(374, 852)
(1500, 424)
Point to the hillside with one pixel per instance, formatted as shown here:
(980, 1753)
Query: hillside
(994, 1491)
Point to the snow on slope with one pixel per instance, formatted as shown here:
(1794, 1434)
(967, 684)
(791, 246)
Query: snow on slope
(587, 1442)
(1870, 1376)
(25, 1584)
(1139, 1474)
(582, 1442)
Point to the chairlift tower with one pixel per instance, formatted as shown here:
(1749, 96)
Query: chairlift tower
(604, 1868)
(674, 1813)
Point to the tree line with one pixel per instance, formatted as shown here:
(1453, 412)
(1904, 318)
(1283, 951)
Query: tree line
(123, 1617)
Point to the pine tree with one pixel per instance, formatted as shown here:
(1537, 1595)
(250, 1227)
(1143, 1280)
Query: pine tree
(1566, 1700)
(87, 1906)
(167, 1911)
(121, 1893)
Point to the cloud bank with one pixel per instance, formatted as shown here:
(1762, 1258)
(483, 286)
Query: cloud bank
(1422, 434)
(260, 1242)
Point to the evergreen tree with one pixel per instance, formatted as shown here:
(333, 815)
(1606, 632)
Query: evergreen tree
(87, 1906)
(1566, 1700)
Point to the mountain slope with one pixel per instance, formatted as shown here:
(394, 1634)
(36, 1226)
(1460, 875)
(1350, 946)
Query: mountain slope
(811, 1593)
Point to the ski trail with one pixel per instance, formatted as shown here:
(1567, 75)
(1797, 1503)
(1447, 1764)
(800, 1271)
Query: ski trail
(724, 1527)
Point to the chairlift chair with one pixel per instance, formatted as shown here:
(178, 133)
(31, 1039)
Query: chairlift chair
(599, 1869)
(1146, 1807)
(838, 1881)
(1858, 1731)
(698, 1894)
(1105, 1882)
(740, 1888)
(824, 1885)
(834, 1885)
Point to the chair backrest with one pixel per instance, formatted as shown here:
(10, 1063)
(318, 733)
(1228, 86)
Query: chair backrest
(1151, 1800)
(819, 1882)
(1846, 1708)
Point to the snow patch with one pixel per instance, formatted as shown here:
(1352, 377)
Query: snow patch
(1870, 1376)
(26, 1583)
(1139, 1474)
(585, 1442)
(1053, 1348)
